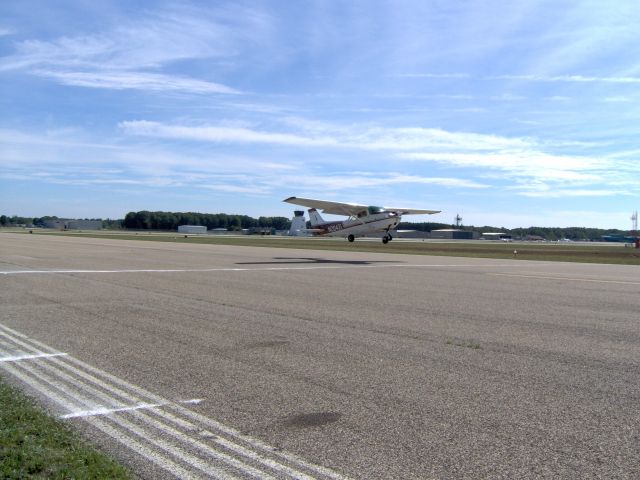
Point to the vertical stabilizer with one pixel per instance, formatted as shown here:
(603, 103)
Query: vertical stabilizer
(298, 223)
(315, 218)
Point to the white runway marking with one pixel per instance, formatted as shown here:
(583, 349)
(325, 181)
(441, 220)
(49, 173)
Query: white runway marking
(18, 358)
(106, 411)
(183, 443)
(571, 279)
(242, 269)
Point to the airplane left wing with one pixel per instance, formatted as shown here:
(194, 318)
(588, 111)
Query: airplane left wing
(332, 208)
(339, 208)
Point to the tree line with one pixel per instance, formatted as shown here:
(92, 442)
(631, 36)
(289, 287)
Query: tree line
(145, 220)
(12, 221)
(548, 233)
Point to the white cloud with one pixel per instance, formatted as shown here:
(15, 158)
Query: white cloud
(358, 180)
(135, 80)
(619, 99)
(567, 78)
(446, 76)
(219, 134)
(319, 134)
(567, 193)
(130, 54)
(622, 79)
(483, 157)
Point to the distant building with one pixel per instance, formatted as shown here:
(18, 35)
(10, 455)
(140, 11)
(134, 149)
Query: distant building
(192, 229)
(260, 231)
(83, 225)
(496, 236)
(534, 238)
(59, 224)
(65, 224)
(622, 238)
(454, 234)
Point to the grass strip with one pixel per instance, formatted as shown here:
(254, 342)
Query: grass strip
(580, 253)
(36, 446)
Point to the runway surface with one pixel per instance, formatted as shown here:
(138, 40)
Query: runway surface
(203, 361)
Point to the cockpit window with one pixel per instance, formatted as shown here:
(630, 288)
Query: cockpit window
(373, 210)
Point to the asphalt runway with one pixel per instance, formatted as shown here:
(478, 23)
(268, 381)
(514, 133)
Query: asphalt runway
(203, 361)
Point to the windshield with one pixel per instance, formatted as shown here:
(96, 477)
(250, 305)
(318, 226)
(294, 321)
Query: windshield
(373, 210)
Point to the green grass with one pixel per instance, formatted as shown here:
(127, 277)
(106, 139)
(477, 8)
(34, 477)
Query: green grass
(35, 445)
(584, 253)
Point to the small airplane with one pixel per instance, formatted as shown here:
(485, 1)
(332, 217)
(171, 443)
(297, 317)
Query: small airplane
(362, 219)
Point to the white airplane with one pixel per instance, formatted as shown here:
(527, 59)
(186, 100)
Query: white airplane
(362, 219)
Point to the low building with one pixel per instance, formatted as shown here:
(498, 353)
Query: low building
(496, 236)
(84, 225)
(54, 223)
(192, 229)
(65, 224)
(454, 234)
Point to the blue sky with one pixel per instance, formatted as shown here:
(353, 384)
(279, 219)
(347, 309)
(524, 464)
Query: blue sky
(509, 113)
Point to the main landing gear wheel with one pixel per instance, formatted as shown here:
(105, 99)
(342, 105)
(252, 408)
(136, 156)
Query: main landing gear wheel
(386, 239)
(351, 238)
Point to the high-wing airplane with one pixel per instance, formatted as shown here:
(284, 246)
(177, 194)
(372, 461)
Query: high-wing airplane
(362, 219)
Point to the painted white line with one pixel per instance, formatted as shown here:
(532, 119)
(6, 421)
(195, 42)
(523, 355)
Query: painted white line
(246, 269)
(163, 462)
(260, 457)
(166, 429)
(140, 406)
(176, 451)
(107, 411)
(18, 358)
(571, 279)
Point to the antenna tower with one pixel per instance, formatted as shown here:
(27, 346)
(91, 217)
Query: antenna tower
(634, 233)
(458, 220)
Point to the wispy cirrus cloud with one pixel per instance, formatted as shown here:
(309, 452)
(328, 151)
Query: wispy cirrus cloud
(525, 161)
(135, 80)
(356, 180)
(220, 134)
(316, 134)
(131, 53)
(567, 78)
(527, 78)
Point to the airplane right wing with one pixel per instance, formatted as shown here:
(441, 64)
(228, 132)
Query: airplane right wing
(411, 211)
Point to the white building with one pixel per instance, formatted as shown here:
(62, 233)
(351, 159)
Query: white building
(192, 229)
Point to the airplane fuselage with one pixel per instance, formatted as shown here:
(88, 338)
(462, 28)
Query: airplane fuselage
(359, 226)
